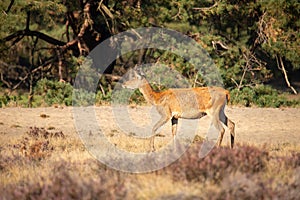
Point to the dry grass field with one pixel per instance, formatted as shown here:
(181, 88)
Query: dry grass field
(42, 157)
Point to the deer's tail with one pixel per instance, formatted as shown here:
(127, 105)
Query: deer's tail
(227, 96)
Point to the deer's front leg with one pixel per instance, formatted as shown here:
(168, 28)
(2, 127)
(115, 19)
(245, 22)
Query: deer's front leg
(159, 124)
(174, 126)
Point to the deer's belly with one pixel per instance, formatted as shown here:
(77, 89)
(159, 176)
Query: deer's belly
(188, 115)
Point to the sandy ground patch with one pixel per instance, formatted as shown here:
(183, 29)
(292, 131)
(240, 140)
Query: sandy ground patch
(253, 125)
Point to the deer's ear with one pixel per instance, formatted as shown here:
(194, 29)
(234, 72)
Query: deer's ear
(135, 68)
(135, 73)
(141, 72)
(138, 72)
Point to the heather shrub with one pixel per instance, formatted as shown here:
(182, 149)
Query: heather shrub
(37, 143)
(247, 186)
(292, 161)
(8, 161)
(36, 133)
(295, 159)
(219, 163)
(63, 184)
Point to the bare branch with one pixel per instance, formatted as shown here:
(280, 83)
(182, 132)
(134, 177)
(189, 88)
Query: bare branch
(27, 20)
(87, 22)
(60, 63)
(4, 81)
(215, 43)
(9, 6)
(262, 25)
(69, 44)
(72, 20)
(236, 84)
(282, 68)
(22, 79)
(112, 77)
(207, 8)
(178, 13)
(67, 31)
(243, 76)
(38, 34)
(105, 11)
(137, 34)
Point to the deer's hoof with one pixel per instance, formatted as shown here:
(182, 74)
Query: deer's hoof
(152, 149)
(160, 135)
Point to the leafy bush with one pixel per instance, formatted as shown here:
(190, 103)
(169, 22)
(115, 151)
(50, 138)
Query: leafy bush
(4, 100)
(18, 99)
(103, 98)
(54, 92)
(124, 97)
(245, 96)
(82, 98)
(49, 92)
(261, 95)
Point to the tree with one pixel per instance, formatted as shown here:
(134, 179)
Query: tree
(278, 33)
(49, 36)
(248, 40)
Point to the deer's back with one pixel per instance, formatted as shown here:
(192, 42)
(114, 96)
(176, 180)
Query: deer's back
(191, 102)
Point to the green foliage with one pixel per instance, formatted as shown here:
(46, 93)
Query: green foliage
(4, 99)
(19, 99)
(54, 92)
(126, 96)
(262, 96)
(281, 29)
(103, 98)
(245, 39)
(82, 98)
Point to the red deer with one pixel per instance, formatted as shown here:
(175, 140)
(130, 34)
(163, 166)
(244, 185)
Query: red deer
(186, 103)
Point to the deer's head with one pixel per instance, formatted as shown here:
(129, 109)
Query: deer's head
(135, 80)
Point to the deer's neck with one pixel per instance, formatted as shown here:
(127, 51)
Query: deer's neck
(148, 92)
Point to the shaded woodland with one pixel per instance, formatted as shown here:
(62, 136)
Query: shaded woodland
(252, 42)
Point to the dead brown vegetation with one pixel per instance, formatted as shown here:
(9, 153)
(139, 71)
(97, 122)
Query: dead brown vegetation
(65, 168)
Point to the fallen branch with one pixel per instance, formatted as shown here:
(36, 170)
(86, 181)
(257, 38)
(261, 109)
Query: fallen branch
(282, 68)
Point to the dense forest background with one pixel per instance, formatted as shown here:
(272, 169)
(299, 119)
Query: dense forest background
(254, 43)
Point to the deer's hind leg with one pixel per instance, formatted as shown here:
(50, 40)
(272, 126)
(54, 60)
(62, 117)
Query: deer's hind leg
(230, 124)
(217, 117)
(215, 125)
